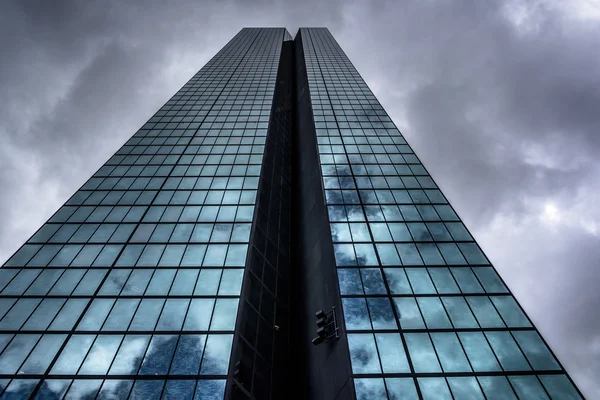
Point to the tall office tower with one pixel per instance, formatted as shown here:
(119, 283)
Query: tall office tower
(267, 234)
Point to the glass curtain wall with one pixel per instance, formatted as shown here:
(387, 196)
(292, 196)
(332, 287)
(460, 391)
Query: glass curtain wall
(131, 289)
(425, 312)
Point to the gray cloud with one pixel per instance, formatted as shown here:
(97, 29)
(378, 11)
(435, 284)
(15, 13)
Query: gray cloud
(505, 119)
(498, 99)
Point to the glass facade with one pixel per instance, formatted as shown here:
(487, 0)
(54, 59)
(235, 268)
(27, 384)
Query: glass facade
(425, 313)
(182, 270)
(131, 289)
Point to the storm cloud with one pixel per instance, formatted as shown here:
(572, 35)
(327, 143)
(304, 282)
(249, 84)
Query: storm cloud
(500, 100)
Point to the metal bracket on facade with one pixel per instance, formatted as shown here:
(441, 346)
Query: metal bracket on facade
(327, 326)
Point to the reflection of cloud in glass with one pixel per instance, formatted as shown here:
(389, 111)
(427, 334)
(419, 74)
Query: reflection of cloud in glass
(224, 315)
(172, 315)
(340, 233)
(434, 388)
(355, 213)
(231, 283)
(83, 389)
(146, 315)
(20, 388)
(176, 390)
(397, 281)
(349, 281)
(208, 282)
(188, 355)
(97, 362)
(401, 389)
(159, 354)
(43, 353)
(388, 254)
(147, 390)
(391, 353)
(115, 281)
(221, 233)
(374, 213)
(53, 388)
(115, 389)
(365, 254)
(344, 254)
(336, 213)
(72, 355)
(372, 281)
(466, 387)
(15, 353)
(369, 388)
(409, 254)
(130, 355)
(236, 256)
(363, 354)
(101, 355)
(381, 313)
(210, 390)
(421, 351)
(198, 316)
(216, 355)
(496, 385)
(355, 314)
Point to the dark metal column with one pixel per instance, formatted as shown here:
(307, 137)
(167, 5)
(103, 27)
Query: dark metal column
(260, 363)
(326, 366)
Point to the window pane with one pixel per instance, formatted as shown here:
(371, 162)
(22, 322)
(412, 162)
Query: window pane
(433, 313)
(450, 352)
(485, 312)
(130, 355)
(159, 354)
(188, 355)
(224, 315)
(356, 315)
(393, 359)
(443, 280)
(465, 388)
(382, 316)
(73, 354)
(363, 354)
(216, 355)
(420, 281)
(496, 388)
(408, 313)
(459, 312)
(101, 355)
(507, 351)
(528, 387)
(480, 355)
(421, 351)
(434, 389)
(510, 311)
(401, 389)
(349, 280)
(372, 281)
(535, 350)
(43, 354)
(369, 388)
(559, 387)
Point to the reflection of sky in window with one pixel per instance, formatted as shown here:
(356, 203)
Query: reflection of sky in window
(363, 354)
(404, 259)
(168, 216)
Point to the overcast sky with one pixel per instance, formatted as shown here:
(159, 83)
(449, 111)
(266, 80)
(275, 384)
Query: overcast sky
(501, 101)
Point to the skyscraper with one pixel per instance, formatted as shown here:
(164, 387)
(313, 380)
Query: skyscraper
(267, 232)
